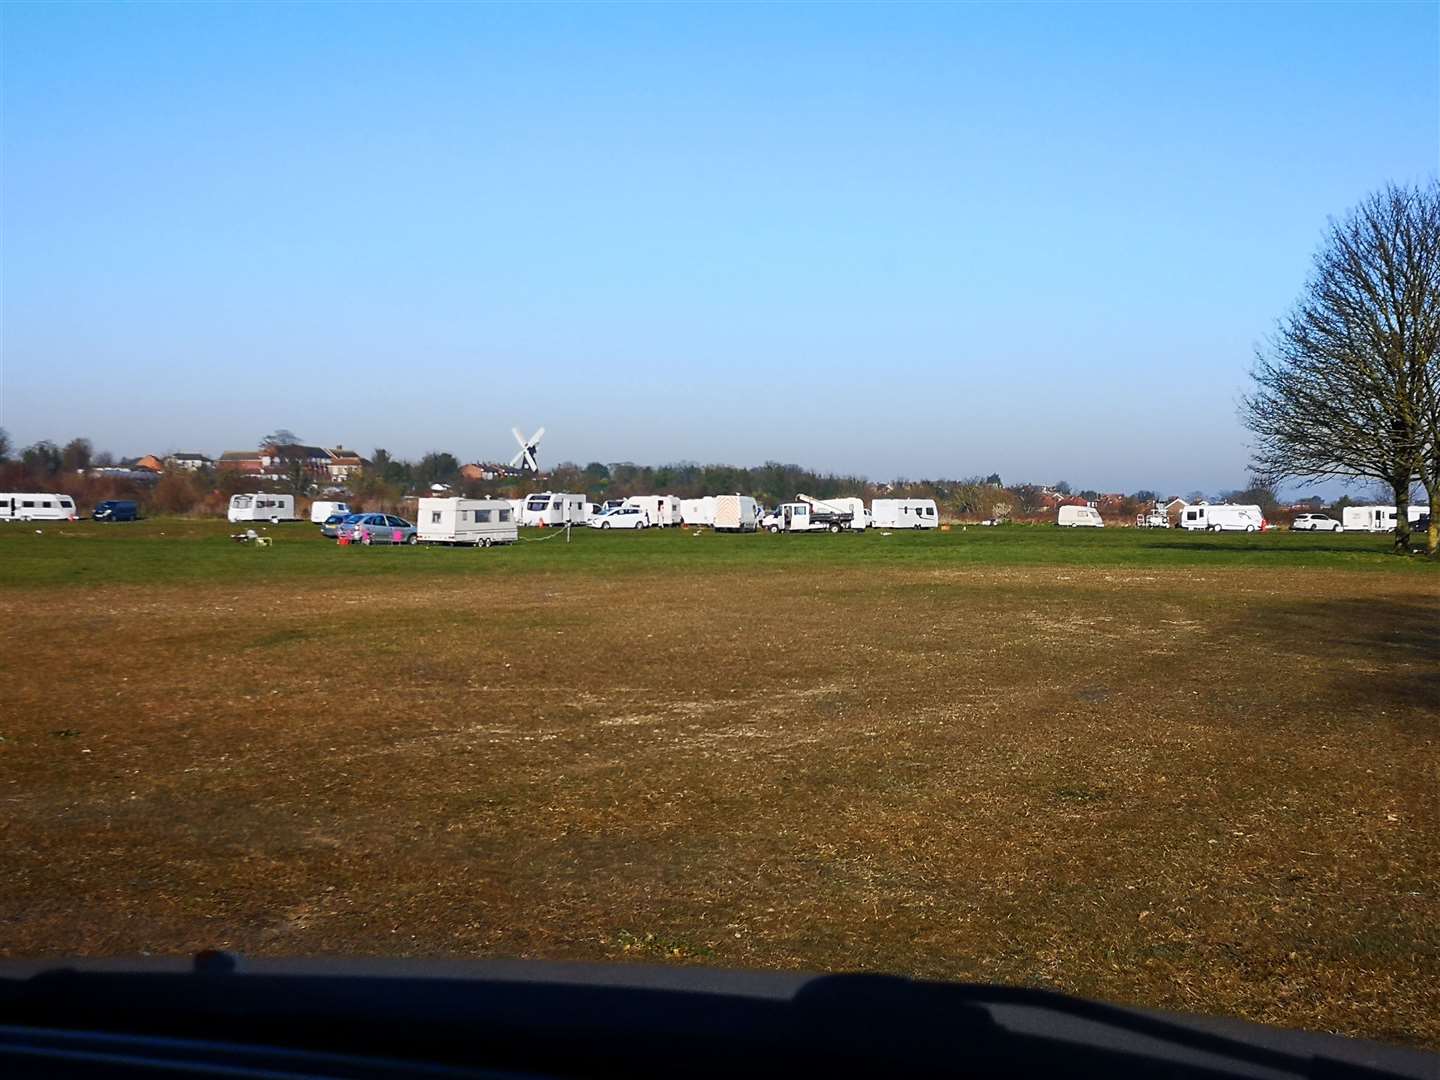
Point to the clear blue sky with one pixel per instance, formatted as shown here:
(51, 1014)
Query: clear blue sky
(897, 240)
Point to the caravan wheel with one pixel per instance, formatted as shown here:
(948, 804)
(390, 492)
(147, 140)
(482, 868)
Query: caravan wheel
(775, 529)
(1249, 528)
(274, 521)
(414, 539)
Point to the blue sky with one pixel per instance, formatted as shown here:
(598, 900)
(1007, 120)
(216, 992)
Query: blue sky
(896, 240)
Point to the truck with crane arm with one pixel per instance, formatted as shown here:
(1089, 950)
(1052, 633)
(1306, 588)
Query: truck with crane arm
(808, 515)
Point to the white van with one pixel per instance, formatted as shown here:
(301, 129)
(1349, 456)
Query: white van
(262, 506)
(736, 513)
(1222, 517)
(1376, 518)
(662, 510)
(904, 514)
(320, 510)
(481, 522)
(551, 508)
(1074, 517)
(36, 506)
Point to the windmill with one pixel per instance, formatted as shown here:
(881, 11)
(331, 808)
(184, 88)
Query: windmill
(525, 460)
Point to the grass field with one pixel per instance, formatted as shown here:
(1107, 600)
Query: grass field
(1187, 771)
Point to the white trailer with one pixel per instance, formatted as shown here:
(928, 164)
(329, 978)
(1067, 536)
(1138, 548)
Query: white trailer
(1376, 518)
(320, 510)
(662, 510)
(698, 511)
(480, 522)
(905, 514)
(1080, 517)
(1222, 517)
(553, 508)
(736, 513)
(36, 506)
(262, 506)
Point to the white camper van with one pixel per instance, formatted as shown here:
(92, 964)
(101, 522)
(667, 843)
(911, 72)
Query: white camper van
(698, 511)
(904, 514)
(553, 508)
(36, 506)
(662, 510)
(736, 513)
(262, 506)
(1376, 518)
(320, 510)
(1222, 517)
(480, 522)
(1075, 517)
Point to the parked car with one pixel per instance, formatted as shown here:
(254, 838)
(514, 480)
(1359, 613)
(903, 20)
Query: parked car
(116, 510)
(621, 517)
(377, 529)
(1315, 523)
(331, 525)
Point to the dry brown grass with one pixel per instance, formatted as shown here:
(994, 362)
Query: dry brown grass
(1208, 791)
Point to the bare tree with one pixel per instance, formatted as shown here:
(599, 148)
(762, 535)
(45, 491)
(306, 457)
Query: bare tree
(1340, 389)
(280, 437)
(5, 446)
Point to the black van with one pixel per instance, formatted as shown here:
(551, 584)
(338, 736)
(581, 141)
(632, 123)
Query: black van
(116, 510)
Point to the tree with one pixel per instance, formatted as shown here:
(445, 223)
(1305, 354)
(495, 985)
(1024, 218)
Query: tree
(297, 477)
(4, 445)
(280, 437)
(76, 455)
(436, 467)
(1063, 487)
(41, 458)
(1348, 386)
(994, 480)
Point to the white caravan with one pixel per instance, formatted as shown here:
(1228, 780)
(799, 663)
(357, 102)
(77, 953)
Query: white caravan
(320, 510)
(736, 513)
(698, 511)
(481, 522)
(1222, 517)
(262, 506)
(904, 514)
(552, 508)
(1078, 517)
(663, 510)
(1376, 518)
(35, 506)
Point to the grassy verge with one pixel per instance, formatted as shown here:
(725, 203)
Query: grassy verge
(181, 551)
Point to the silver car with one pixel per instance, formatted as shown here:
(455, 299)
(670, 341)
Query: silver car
(378, 529)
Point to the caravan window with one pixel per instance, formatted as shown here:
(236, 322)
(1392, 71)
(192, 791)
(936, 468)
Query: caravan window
(28, 502)
(929, 511)
(434, 517)
(505, 514)
(482, 515)
(67, 504)
(539, 503)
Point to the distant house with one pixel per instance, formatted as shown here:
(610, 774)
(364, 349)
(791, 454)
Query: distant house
(345, 464)
(248, 462)
(1174, 506)
(150, 463)
(276, 461)
(481, 470)
(188, 462)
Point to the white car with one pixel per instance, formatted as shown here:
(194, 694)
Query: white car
(621, 517)
(1316, 523)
